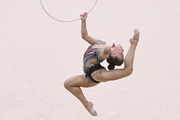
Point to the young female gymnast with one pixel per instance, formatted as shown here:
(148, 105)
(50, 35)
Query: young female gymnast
(94, 72)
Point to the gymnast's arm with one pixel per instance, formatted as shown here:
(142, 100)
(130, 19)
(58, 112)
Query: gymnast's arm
(84, 32)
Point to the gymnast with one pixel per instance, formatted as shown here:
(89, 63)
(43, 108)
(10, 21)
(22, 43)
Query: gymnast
(94, 72)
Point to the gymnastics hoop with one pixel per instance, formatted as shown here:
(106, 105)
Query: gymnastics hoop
(65, 20)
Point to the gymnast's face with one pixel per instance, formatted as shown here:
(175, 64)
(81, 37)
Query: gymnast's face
(117, 51)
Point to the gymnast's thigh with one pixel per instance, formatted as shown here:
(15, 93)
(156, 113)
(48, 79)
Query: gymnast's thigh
(80, 80)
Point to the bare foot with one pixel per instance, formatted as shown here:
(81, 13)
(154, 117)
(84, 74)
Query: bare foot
(135, 37)
(90, 109)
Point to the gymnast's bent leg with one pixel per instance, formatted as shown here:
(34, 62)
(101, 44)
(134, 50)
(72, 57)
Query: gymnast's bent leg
(73, 85)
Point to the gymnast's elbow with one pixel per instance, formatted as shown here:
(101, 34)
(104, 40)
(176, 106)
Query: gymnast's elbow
(84, 36)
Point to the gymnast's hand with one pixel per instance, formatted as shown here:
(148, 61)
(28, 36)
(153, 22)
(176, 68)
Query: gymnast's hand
(84, 16)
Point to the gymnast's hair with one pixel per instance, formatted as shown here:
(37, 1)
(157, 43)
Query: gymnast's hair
(114, 61)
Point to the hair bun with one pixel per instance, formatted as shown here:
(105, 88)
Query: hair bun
(111, 67)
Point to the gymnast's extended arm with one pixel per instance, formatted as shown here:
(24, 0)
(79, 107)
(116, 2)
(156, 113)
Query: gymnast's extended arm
(84, 32)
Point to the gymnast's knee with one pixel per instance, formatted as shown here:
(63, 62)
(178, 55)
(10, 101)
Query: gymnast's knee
(129, 71)
(66, 84)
